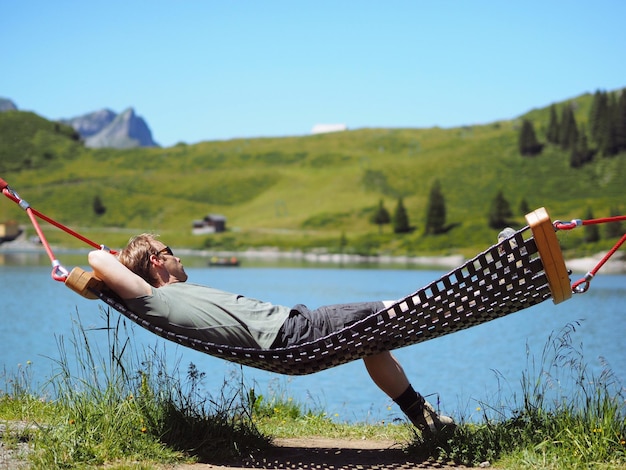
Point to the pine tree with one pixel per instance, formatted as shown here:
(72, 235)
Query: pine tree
(597, 115)
(499, 212)
(607, 122)
(98, 207)
(552, 134)
(568, 134)
(401, 219)
(381, 216)
(607, 129)
(343, 242)
(609, 143)
(620, 123)
(575, 158)
(591, 232)
(524, 208)
(527, 141)
(580, 153)
(436, 211)
(614, 229)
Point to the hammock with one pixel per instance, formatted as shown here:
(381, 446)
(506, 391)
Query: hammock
(517, 273)
(520, 271)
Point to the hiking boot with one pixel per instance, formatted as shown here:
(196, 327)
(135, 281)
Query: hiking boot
(425, 418)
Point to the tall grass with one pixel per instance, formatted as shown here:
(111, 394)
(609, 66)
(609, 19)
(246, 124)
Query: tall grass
(126, 406)
(547, 428)
(131, 409)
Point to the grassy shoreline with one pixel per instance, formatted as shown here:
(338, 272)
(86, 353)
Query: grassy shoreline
(127, 409)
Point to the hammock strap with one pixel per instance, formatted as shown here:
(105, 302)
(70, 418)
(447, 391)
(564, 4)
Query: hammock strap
(582, 285)
(574, 223)
(59, 273)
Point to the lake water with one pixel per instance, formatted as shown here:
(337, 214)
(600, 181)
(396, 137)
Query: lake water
(464, 369)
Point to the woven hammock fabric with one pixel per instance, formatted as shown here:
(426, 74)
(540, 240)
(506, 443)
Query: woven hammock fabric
(504, 279)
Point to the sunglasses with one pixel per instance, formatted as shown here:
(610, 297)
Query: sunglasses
(167, 250)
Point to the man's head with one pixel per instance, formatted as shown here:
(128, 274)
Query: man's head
(151, 260)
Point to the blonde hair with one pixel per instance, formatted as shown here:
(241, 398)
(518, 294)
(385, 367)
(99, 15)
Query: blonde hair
(136, 256)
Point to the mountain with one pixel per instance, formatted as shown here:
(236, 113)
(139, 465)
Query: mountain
(91, 124)
(104, 128)
(7, 105)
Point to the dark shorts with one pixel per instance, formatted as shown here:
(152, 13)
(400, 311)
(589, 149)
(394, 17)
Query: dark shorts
(304, 325)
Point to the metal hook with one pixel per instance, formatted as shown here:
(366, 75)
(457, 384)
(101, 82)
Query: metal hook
(582, 285)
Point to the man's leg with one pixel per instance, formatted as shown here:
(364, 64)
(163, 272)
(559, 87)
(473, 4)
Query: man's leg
(384, 369)
(389, 376)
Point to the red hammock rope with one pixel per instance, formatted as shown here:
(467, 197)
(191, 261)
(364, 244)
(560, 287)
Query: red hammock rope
(559, 225)
(59, 273)
(582, 285)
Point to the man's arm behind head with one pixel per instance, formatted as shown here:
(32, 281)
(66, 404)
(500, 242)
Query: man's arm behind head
(116, 276)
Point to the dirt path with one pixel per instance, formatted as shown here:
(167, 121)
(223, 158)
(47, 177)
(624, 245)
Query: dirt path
(296, 453)
(335, 454)
(13, 453)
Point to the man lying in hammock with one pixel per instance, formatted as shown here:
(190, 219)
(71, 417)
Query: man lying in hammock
(151, 281)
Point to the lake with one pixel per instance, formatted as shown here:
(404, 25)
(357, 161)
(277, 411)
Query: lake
(461, 371)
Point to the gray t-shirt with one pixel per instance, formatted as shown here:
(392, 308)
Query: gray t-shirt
(211, 315)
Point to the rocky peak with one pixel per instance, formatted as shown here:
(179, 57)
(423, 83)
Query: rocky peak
(90, 124)
(7, 105)
(105, 128)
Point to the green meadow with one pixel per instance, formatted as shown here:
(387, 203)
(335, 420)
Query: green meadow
(307, 192)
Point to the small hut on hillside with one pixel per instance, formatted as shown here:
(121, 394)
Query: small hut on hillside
(212, 223)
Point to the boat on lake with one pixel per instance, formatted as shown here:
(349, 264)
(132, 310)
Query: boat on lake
(231, 261)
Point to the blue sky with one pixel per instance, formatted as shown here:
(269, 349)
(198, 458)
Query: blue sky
(212, 70)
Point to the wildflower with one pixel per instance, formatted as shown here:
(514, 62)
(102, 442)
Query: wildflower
(144, 429)
(28, 363)
(72, 421)
(622, 441)
(336, 415)
(478, 408)
(597, 430)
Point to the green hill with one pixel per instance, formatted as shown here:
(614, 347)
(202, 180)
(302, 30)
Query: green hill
(28, 141)
(304, 192)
